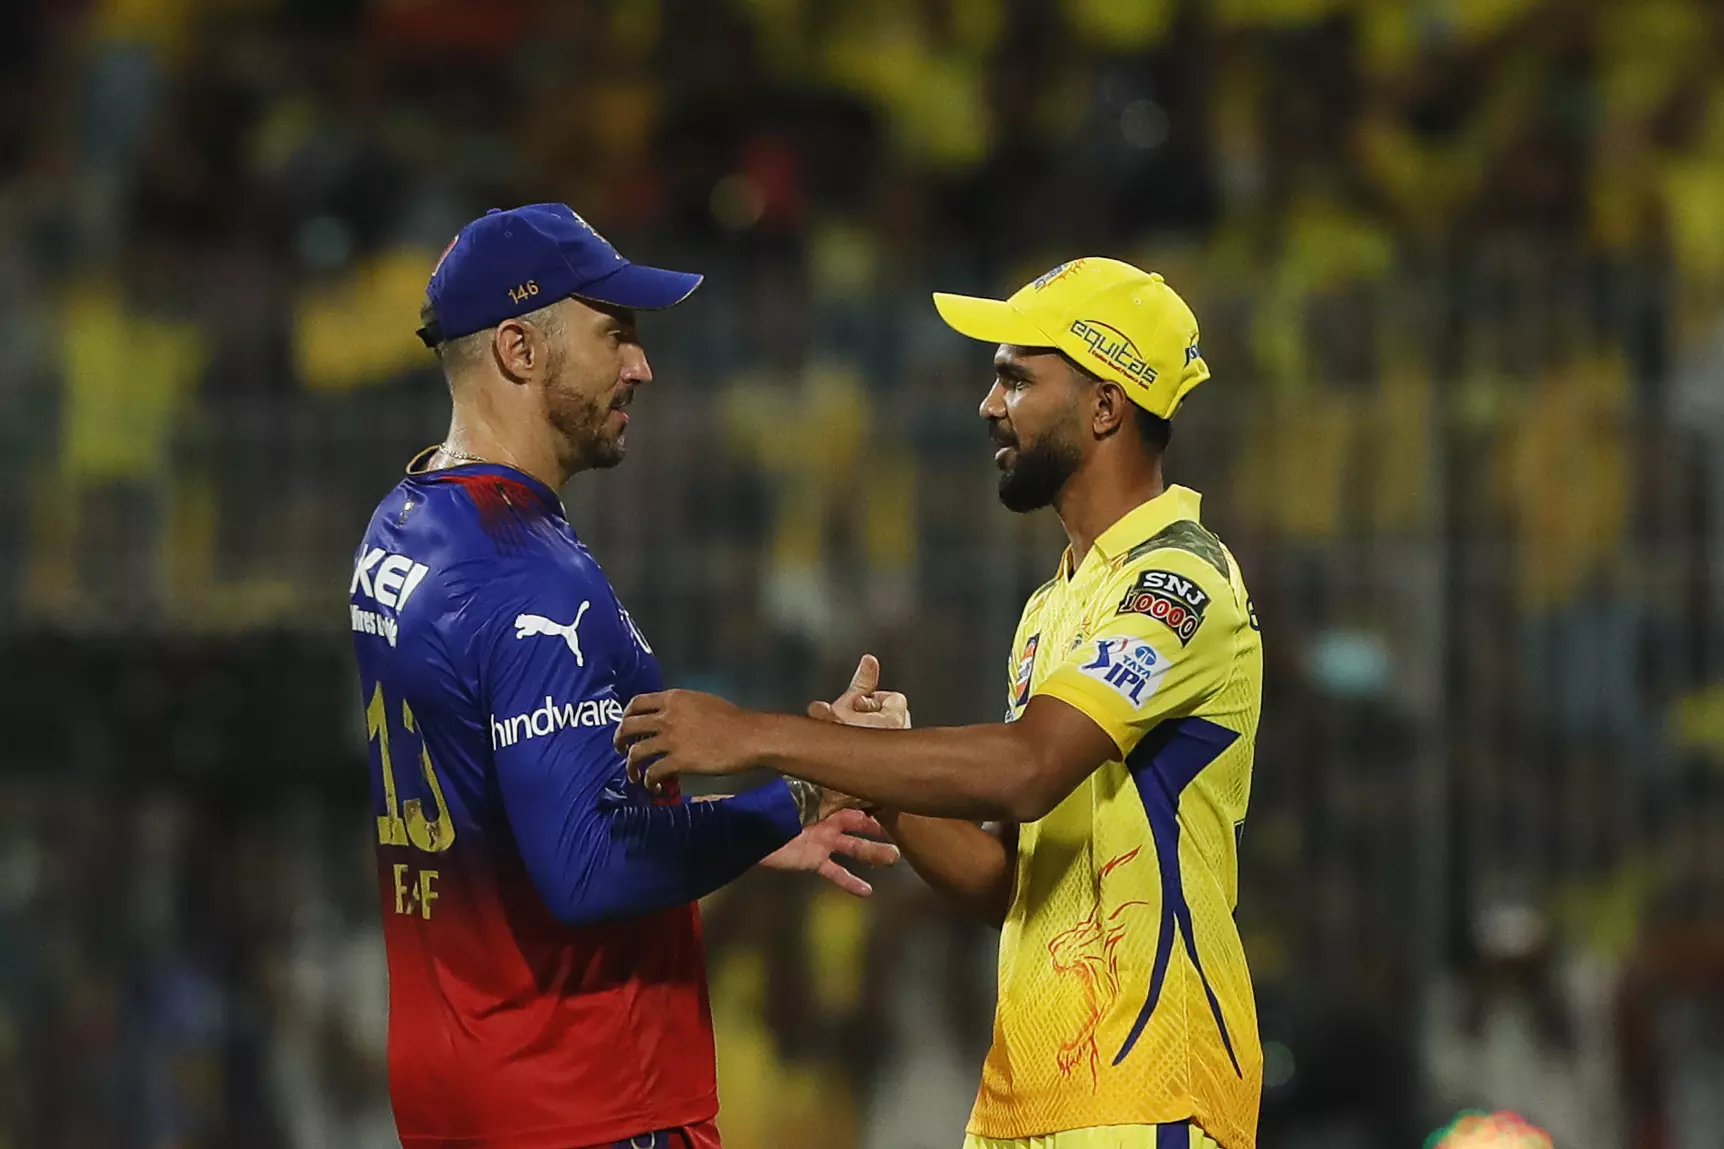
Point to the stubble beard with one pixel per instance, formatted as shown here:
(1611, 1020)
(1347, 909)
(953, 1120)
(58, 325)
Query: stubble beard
(582, 423)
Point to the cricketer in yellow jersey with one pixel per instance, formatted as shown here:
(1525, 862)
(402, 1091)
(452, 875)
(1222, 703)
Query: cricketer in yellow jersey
(1120, 778)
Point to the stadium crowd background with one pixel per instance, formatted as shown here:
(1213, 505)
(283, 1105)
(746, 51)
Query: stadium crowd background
(1460, 267)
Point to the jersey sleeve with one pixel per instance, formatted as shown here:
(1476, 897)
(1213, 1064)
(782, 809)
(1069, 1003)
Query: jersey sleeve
(1157, 642)
(598, 847)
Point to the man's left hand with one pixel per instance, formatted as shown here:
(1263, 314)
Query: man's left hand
(837, 833)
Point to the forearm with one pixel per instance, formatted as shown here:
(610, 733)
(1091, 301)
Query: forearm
(965, 862)
(975, 773)
(631, 859)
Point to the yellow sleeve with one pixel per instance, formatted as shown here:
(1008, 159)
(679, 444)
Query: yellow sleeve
(1159, 641)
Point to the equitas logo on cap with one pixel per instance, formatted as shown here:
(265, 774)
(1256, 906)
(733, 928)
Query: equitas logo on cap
(1117, 321)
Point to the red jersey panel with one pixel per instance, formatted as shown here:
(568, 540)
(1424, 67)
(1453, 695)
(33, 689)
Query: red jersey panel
(509, 1030)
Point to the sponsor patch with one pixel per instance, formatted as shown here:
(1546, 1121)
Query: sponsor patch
(1131, 666)
(1026, 668)
(1168, 598)
(552, 717)
(389, 579)
(1110, 345)
(374, 622)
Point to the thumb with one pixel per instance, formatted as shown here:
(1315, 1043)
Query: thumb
(822, 711)
(867, 677)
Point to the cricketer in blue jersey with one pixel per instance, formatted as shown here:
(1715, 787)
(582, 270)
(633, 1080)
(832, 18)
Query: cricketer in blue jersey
(547, 983)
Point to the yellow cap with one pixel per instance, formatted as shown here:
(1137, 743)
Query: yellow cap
(1119, 322)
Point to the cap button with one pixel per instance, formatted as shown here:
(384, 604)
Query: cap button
(495, 211)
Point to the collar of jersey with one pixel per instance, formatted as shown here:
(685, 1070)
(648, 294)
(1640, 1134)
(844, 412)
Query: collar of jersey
(415, 470)
(1143, 521)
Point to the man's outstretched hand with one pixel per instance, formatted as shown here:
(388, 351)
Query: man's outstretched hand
(837, 833)
(676, 732)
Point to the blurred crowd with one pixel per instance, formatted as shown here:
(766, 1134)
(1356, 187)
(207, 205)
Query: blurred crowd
(1460, 268)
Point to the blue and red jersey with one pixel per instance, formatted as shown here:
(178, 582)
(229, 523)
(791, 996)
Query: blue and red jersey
(546, 977)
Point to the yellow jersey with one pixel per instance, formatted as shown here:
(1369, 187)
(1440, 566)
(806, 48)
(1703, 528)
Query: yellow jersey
(1123, 993)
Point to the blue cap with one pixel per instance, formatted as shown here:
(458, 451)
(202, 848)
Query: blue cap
(507, 263)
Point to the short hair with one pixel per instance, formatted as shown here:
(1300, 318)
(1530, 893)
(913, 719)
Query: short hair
(454, 354)
(462, 351)
(1153, 431)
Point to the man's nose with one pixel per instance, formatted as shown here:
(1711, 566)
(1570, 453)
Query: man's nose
(994, 403)
(636, 369)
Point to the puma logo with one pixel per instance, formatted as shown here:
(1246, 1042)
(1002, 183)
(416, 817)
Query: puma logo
(530, 625)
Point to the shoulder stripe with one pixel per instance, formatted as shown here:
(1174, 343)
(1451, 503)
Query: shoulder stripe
(1041, 591)
(1185, 535)
(510, 512)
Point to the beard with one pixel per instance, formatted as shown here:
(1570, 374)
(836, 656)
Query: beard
(605, 449)
(583, 421)
(1035, 477)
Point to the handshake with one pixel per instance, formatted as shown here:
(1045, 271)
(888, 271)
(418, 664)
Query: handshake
(863, 704)
(676, 732)
(827, 813)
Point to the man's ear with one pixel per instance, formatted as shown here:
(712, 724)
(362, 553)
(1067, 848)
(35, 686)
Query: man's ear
(517, 349)
(1112, 409)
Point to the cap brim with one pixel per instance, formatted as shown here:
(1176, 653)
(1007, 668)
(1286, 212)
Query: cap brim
(990, 320)
(641, 288)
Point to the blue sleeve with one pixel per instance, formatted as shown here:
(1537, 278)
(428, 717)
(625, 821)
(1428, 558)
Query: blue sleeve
(596, 845)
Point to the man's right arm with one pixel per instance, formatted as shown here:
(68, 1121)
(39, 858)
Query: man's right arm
(973, 865)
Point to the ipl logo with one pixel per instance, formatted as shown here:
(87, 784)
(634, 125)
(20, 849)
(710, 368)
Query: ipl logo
(1130, 665)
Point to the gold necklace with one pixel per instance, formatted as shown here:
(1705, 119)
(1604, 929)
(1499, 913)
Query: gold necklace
(462, 455)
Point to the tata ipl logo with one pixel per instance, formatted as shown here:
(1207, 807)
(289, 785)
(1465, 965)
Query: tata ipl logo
(1110, 345)
(1129, 665)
